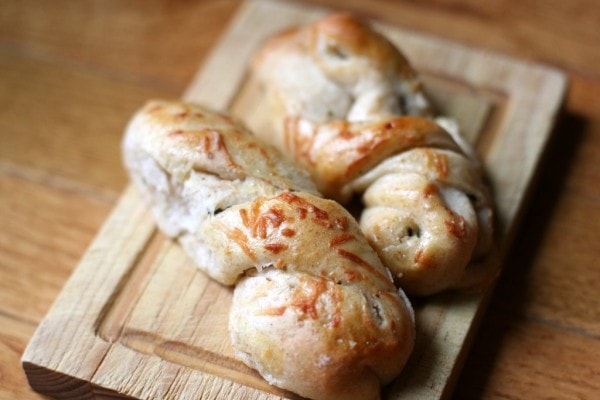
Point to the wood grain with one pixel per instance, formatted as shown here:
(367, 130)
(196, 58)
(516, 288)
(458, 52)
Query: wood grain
(33, 87)
(15, 335)
(69, 39)
(581, 308)
(119, 39)
(42, 230)
(532, 345)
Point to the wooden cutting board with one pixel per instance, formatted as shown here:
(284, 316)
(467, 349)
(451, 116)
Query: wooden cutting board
(137, 319)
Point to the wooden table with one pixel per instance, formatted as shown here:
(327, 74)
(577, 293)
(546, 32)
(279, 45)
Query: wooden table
(72, 73)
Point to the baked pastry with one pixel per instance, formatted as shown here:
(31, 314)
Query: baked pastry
(314, 310)
(348, 107)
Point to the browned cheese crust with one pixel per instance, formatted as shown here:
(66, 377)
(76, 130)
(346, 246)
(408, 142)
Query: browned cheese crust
(314, 310)
(348, 107)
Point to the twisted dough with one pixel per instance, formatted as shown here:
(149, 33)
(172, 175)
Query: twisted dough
(348, 107)
(314, 310)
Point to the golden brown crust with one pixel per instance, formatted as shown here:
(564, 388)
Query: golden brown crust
(314, 309)
(348, 107)
(184, 137)
(338, 152)
(345, 34)
(343, 343)
(337, 68)
(250, 235)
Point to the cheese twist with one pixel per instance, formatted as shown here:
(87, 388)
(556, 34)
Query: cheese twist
(314, 310)
(348, 107)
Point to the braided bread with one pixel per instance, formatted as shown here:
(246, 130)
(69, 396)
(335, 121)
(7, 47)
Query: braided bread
(314, 310)
(348, 107)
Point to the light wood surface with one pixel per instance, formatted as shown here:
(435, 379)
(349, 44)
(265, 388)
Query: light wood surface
(72, 73)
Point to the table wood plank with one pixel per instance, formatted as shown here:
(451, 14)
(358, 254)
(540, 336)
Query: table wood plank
(14, 335)
(158, 44)
(42, 226)
(558, 286)
(72, 38)
(52, 128)
(532, 359)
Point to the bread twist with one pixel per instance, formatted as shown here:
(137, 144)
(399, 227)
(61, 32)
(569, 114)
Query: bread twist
(346, 104)
(314, 310)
